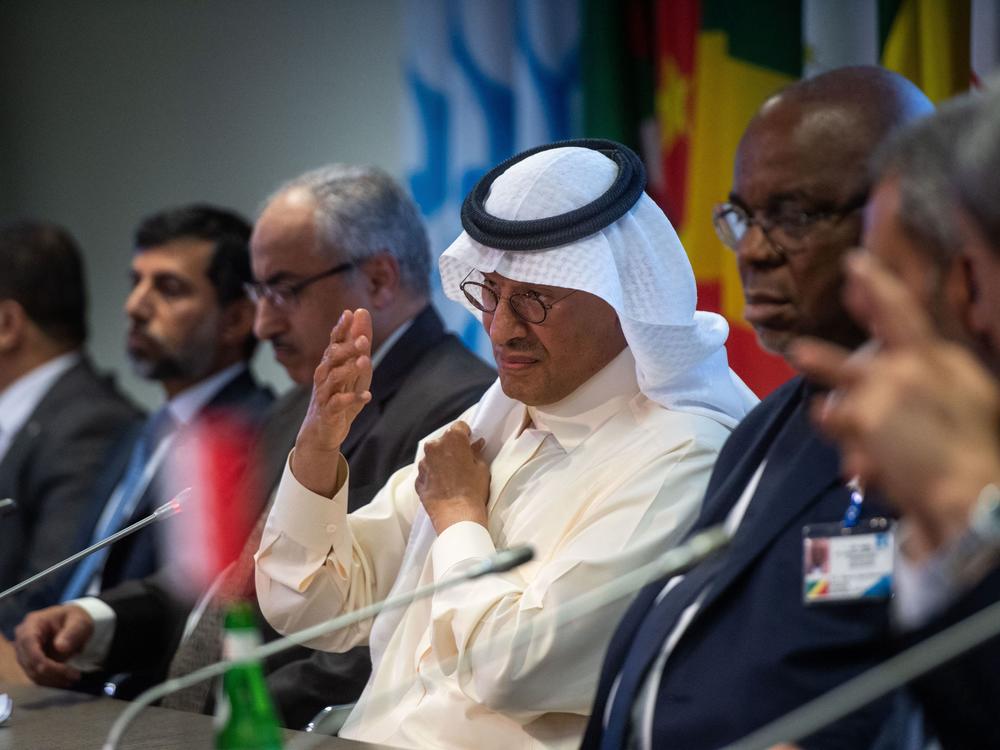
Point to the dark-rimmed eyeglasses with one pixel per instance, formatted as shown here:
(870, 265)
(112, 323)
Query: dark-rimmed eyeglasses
(286, 294)
(786, 229)
(528, 305)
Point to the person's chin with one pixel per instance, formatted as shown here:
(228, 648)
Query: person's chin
(296, 367)
(518, 388)
(773, 340)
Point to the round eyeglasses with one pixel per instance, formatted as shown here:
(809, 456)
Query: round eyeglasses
(528, 305)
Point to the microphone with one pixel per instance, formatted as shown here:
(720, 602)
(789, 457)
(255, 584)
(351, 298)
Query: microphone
(500, 562)
(675, 561)
(168, 509)
(891, 674)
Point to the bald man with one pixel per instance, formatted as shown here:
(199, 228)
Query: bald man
(701, 660)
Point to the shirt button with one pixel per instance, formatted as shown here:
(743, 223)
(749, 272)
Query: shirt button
(331, 527)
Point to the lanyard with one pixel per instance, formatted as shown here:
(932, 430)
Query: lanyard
(853, 512)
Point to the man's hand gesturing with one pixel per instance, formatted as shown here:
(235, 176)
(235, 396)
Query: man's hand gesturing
(340, 390)
(46, 639)
(453, 481)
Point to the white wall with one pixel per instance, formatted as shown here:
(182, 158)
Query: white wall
(115, 109)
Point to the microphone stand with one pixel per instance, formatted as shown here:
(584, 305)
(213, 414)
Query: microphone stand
(673, 562)
(165, 511)
(502, 561)
(877, 681)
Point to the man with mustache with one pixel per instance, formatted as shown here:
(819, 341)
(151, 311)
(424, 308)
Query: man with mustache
(190, 330)
(594, 447)
(702, 659)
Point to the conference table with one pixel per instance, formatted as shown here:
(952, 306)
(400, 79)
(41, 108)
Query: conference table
(48, 719)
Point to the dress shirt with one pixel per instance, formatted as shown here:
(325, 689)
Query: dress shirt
(645, 705)
(19, 399)
(183, 408)
(598, 484)
(188, 403)
(927, 588)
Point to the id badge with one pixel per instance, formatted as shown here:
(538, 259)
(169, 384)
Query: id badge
(843, 564)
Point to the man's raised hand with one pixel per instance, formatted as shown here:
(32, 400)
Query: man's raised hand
(340, 391)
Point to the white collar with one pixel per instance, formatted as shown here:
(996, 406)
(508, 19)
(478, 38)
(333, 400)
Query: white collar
(578, 415)
(19, 399)
(186, 404)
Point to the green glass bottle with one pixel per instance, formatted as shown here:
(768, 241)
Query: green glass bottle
(245, 716)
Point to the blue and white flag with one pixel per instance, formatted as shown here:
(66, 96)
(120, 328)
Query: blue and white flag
(485, 79)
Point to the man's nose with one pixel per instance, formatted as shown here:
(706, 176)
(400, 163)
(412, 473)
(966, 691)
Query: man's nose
(757, 248)
(137, 304)
(268, 319)
(505, 324)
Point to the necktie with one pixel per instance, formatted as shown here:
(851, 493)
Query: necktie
(125, 496)
(203, 645)
(649, 639)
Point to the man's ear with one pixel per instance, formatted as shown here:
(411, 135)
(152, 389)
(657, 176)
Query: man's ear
(13, 321)
(237, 321)
(383, 278)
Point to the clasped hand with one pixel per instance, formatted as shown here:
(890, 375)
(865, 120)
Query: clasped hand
(453, 480)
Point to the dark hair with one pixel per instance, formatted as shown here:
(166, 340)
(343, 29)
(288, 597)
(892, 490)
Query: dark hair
(229, 268)
(41, 269)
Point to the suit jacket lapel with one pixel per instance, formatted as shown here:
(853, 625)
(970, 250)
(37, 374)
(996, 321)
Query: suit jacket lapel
(46, 408)
(424, 332)
(800, 466)
(721, 498)
(17, 451)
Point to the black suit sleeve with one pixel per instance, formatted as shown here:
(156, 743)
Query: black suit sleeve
(54, 498)
(148, 626)
(961, 698)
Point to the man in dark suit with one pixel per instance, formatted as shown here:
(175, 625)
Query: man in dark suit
(333, 239)
(58, 418)
(190, 329)
(703, 659)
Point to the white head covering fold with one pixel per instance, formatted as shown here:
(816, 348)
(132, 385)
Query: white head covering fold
(637, 265)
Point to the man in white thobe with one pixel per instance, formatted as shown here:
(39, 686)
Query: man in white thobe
(594, 447)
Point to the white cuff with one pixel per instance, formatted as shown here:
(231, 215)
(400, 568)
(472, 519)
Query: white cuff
(308, 518)
(465, 540)
(95, 651)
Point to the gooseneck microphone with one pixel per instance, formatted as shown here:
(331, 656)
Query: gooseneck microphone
(675, 561)
(168, 509)
(500, 562)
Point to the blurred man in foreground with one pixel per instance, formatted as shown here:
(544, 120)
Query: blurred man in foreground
(701, 660)
(918, 419)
